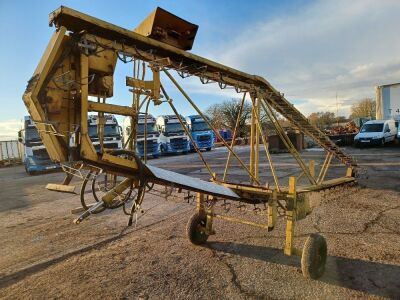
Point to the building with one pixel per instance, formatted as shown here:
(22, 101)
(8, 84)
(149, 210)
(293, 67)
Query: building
(388, 101)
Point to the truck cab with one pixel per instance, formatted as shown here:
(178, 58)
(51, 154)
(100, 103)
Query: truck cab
(152, 133)
(173, 138)
(112, 132)
(36, 158)
(201, 133)
(376, 132)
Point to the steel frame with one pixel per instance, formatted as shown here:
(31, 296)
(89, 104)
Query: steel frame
(159, 57)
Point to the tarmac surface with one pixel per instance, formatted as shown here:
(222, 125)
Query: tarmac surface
(45, 255)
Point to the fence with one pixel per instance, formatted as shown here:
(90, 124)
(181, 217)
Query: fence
(10, 153)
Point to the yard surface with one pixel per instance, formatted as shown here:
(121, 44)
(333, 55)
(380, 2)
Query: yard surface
(44, 255)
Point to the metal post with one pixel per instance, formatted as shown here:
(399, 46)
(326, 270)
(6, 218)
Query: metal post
(135, 106)
(100, 125)
(210, 218)
(213, 175)
(8, 155)
(286, 141)
(145, 132)
(252, 139)
(272, 212)
(266, 148)
(210, 125)
(311, 166)
(324, 168)
(290, 216)
(234, 136)
(200, 203)
(87, 149)
(84, 93)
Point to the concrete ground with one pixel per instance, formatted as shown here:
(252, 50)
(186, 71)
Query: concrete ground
(44, 255)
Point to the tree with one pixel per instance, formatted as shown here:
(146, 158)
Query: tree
(224, 115)
(322, 119)
(365, 108)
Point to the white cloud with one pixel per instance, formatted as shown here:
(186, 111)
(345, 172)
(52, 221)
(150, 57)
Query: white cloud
(9, 129)
(344, 47)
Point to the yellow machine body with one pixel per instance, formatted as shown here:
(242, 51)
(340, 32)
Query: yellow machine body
(76, 76)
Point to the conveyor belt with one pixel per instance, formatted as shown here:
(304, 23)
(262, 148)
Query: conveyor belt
(192, 64)
(287, 109)
(159, 175)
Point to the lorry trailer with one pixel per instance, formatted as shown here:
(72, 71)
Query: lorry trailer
(147, 130)
(201, 133)
(172, 138)
(36, 159)
(112, 133)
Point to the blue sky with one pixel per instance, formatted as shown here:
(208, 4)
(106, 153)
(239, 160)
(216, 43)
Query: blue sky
(310, 50)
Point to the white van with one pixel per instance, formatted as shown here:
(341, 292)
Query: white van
(376, 132)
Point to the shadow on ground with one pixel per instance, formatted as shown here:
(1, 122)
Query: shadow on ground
(369, 277)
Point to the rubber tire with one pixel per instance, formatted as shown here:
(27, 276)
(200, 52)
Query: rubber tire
(208, 149)
(313, 258)
(156, 155)
(195, 236)
(382, 142)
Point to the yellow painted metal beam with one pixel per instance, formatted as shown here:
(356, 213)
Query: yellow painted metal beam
(110, 108)
(240, 221)
(290, 217)
(272, 211)
(119, 161)
(52, 143)
(87, 149)
(117, 190)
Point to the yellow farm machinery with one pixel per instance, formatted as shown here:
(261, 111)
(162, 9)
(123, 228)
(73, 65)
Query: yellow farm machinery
(75, 77)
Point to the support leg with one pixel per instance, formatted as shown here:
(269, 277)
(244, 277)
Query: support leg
(196, 228)
(291, 218)
(200, 203)
(64, 186)
(272, 203)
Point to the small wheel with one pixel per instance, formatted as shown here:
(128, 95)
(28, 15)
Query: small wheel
(195, 229)
(314, 255)
(208, 149)
(383, 142)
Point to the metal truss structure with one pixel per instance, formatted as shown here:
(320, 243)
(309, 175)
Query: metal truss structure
(79, 64)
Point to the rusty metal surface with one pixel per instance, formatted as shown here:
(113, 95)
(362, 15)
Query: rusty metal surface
(165, 27)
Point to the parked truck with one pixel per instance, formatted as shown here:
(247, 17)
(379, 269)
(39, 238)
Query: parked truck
(201, 133)
(173, 138)
(152, 133)
(36, 159)
(112, 132)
